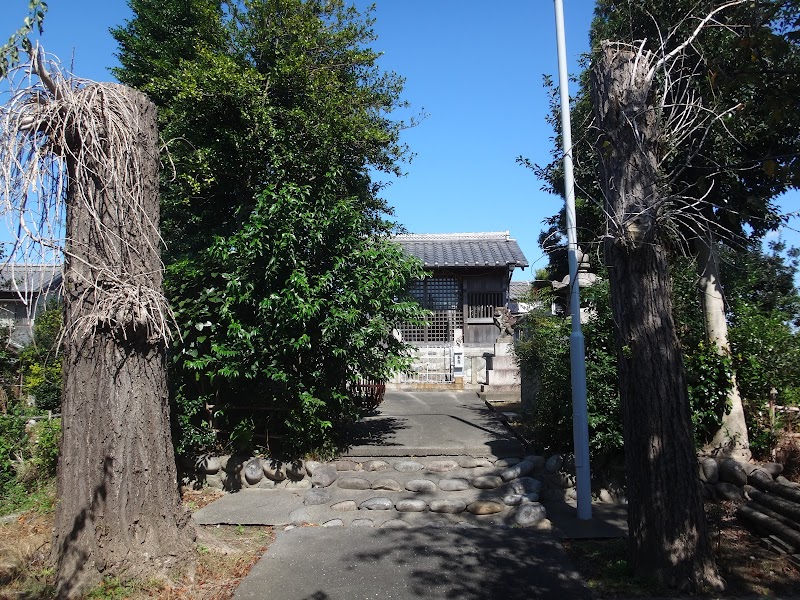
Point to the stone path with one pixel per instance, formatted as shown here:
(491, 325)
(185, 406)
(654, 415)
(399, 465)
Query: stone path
(400, 492)
(437, 500)
(409, 469)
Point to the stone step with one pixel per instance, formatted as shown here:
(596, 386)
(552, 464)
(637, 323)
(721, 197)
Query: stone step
(497, 398)
(413, 492)
(502, 377)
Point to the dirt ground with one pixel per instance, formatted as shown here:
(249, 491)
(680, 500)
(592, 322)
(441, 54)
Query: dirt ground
(749, 570)
(224, 555)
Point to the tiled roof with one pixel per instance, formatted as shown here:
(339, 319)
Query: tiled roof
(29, 279)
(518, 289)
(464, 249)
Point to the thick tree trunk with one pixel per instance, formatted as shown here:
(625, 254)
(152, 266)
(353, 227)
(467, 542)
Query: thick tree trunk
(119, 509)
(665, 511)
(731, 439)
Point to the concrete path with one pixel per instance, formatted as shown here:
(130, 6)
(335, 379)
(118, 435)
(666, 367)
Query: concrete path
(430, 563)
(433, 424)
(398, 517)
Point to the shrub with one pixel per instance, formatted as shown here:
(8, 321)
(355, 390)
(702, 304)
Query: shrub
(41, 363)
(543, 353)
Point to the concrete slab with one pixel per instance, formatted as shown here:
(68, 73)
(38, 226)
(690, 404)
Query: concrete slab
(608, 520)
(433, 563)
(433, 424)
(251, 507)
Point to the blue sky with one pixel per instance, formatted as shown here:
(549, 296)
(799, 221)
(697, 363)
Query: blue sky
(474, 67)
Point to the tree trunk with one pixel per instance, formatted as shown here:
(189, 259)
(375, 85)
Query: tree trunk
(731, 439)
(119, 510)
(665, 511)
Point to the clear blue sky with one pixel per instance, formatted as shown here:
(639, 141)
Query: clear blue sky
(474, 67)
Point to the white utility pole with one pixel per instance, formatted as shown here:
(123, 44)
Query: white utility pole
(577, 350)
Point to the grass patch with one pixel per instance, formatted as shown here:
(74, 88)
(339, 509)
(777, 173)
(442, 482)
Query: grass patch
(604, 566)
(39, 497)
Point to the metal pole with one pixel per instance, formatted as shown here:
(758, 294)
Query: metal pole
(577, 350)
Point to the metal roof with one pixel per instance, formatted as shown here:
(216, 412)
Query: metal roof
(493, 249)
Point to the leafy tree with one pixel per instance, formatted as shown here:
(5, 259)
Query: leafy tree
(19, 40)
(764, 306)
(281, 271)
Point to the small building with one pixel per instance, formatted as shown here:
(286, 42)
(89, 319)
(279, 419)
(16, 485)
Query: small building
(469, 280)
(25, 291)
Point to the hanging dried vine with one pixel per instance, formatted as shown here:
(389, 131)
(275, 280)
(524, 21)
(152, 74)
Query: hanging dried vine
(56, 130)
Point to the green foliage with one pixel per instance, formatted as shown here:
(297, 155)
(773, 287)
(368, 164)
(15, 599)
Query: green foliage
(708, 373)
(9, 52)
(28, 459)
(41, 363)
(13, 448)
(279, 266)
(765, 343)
(708, 377)
(46, 436)
(544, 353)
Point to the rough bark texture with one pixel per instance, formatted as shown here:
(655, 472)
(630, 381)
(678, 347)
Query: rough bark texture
(731, 439)
(119, 509)
(665, 512)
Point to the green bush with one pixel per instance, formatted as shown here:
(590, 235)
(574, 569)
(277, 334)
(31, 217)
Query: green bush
(544, 354)
(28, 460)
(13, 448)
(46, 438)
(41, 362)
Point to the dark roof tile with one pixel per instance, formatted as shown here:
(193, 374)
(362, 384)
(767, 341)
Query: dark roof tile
(464, 249)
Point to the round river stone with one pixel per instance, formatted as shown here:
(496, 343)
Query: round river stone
(377, 503)
(376, 465)
(354, 483)
(408, 466)
(442, 466)
(447, 506)
(411, 505)
(457, 484)
(487, 482)
(485, 507)
(421, 485)
(386, 484)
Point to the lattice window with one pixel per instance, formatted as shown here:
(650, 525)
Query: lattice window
(481, 305)
(442, 295)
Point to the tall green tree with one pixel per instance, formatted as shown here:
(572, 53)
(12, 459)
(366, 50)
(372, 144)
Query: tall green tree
(281, 270)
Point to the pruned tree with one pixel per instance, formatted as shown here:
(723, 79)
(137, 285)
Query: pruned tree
(646, 108)
(88, 152)
(727, 177)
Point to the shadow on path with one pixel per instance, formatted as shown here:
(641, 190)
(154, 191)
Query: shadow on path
(429, 562)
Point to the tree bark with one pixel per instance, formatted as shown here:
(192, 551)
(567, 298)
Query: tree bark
(666, 520)
(119, 510)
(731, 439)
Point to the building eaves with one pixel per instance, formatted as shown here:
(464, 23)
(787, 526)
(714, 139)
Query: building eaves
(494, 249)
